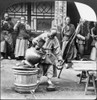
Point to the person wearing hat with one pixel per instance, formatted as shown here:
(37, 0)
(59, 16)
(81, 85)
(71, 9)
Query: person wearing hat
(53, 51)
(33, 55)
(43, 62)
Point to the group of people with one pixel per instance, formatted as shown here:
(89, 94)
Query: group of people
(74, 43)
(11, 47)
(80, 41)
(16, 48)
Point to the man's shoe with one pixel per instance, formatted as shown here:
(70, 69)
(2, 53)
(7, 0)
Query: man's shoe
(78, 75)
(51, 87)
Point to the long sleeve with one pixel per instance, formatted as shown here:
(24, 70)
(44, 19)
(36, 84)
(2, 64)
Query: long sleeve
(16, 26)
(78, 29)
(1, 24)
(57, 49)
(11, 25)
(92, 32)
(28, 29)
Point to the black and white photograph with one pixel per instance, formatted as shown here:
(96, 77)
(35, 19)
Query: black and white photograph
(48, 49)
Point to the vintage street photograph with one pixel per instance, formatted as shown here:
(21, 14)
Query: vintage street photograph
(48, 49)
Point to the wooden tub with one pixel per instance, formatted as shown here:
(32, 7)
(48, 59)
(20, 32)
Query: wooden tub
(25, 78)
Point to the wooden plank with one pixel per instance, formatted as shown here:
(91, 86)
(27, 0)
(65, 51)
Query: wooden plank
(84, 65)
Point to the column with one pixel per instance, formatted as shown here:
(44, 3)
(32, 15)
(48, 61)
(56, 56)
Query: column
(60, 11)
(29, 13)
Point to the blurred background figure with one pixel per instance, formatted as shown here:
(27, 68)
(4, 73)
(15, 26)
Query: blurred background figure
(93, 55)
(6, 41)
(23, 36)
(80, 39)
(83, 39)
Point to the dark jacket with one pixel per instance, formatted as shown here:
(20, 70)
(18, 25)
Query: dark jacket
(22, 32)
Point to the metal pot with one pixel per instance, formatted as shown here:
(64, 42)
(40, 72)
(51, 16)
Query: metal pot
(33, 56)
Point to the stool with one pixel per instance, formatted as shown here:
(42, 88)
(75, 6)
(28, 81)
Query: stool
(82, 77)
(90, 79)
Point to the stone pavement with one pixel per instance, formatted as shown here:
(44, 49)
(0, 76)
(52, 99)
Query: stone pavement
(67, 86)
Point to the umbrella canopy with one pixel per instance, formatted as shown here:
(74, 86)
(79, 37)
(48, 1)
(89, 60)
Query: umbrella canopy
(86, 12)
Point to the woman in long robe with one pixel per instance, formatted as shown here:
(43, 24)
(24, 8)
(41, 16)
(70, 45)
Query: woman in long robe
(22, 41)
(6, 41)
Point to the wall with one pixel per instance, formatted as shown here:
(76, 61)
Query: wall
(5, 3)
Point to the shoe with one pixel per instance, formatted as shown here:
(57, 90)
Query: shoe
(51, 87)
(78, 75)
(17, 58)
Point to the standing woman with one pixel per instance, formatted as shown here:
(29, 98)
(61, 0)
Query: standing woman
(6, 41)
(22, 41)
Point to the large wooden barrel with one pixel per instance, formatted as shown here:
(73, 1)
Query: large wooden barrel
(25, 79)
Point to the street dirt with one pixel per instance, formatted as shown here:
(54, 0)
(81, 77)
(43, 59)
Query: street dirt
(67, 86)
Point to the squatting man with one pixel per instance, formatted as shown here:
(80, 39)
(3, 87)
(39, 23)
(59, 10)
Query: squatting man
(51, 58)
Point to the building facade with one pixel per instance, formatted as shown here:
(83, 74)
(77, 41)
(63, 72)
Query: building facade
(41, 15)
(38, 14)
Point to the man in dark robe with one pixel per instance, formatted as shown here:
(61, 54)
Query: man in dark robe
(68, 32)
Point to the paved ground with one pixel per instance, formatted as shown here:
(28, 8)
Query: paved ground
(67, 86)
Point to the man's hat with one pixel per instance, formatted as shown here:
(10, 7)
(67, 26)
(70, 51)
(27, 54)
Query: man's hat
(54, 31)
(40, 42)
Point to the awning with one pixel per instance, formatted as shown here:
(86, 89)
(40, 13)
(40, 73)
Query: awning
(86, 12)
